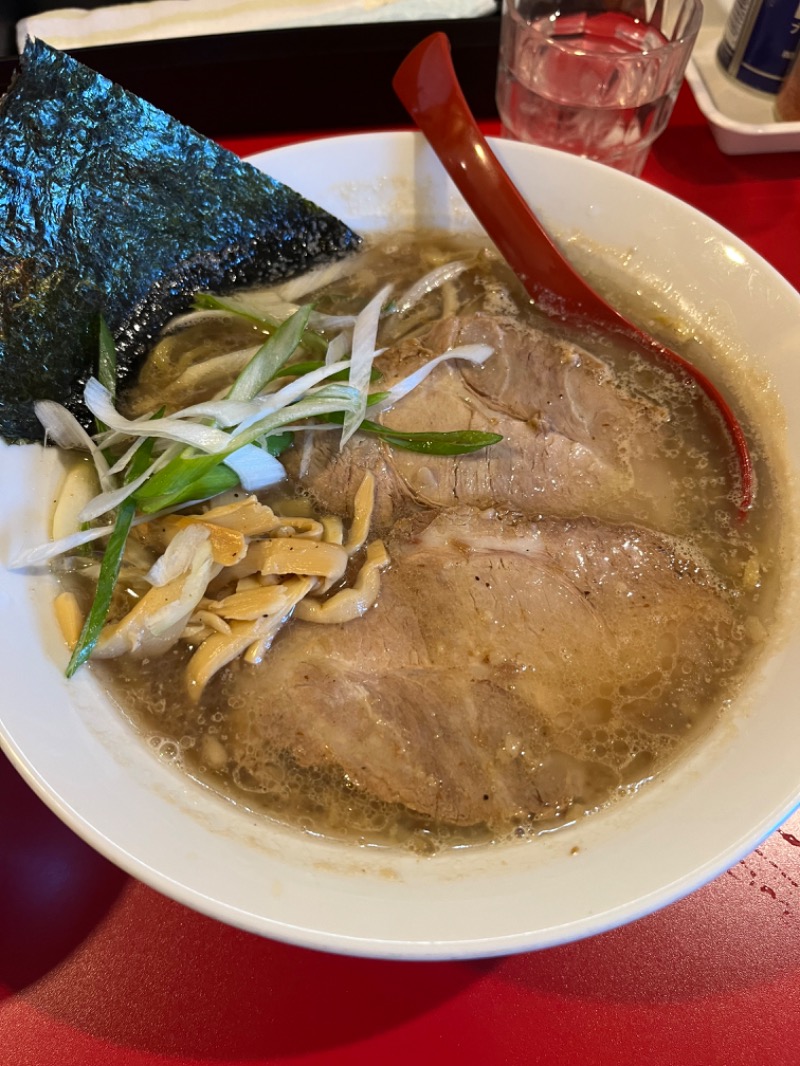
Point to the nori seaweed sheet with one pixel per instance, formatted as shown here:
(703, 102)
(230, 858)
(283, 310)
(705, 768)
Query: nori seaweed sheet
(109, 206)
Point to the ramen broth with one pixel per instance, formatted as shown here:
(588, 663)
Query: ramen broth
(617, 752)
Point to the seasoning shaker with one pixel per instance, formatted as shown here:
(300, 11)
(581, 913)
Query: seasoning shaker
(759, 42)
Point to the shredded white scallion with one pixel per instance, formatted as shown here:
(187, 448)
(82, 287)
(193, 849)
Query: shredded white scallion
(207, 438)
(339, 347)
(63, 428)
(296, 288)
(191, 318)
(236, 431)
(365, 333)
(109, 501)
(289, 394)
(255, 468)
(429, 283)
(473, 353)
(43, 553)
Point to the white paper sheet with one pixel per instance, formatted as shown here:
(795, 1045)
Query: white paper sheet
(79, 28)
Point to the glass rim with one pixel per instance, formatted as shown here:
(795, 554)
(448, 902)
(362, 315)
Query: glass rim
(695, 7)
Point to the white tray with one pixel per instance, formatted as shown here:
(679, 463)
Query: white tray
(742, 120)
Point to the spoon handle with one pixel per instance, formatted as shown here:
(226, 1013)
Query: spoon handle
(428, 88)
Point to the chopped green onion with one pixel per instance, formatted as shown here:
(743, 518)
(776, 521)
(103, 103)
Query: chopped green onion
(299, 369)
(110, 566)
(206, 455)
(106, 365)
(457, 442)
(197, 477)
(277, 443)
(271, 356)
(204, 487)
(362, 353)
(313, 343)
(206, 301)
(326, 400)
(107, 359)
(451, 442)
(177, 481)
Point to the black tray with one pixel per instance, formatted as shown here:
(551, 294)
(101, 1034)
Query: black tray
(316, 78)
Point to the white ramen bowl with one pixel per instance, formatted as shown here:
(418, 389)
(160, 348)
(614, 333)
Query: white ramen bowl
(701, 817)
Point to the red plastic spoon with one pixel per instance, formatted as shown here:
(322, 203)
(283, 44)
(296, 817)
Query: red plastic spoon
(427, 85)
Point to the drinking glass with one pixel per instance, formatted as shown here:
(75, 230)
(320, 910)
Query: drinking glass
(597, 78)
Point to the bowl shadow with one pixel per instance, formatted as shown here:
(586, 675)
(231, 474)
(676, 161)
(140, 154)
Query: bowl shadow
(165, 980)
(54, 888)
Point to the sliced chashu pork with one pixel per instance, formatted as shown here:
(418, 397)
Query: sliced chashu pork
(458, 694)
(567, 428)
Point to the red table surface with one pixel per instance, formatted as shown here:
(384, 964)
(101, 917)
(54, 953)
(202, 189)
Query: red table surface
(96, 968)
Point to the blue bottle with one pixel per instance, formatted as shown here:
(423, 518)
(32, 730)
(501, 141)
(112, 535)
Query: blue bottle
(759, 42)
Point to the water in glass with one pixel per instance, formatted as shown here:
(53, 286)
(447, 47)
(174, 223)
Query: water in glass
(588, 84)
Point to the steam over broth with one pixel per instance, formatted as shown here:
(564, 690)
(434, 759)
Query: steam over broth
(562, 614)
